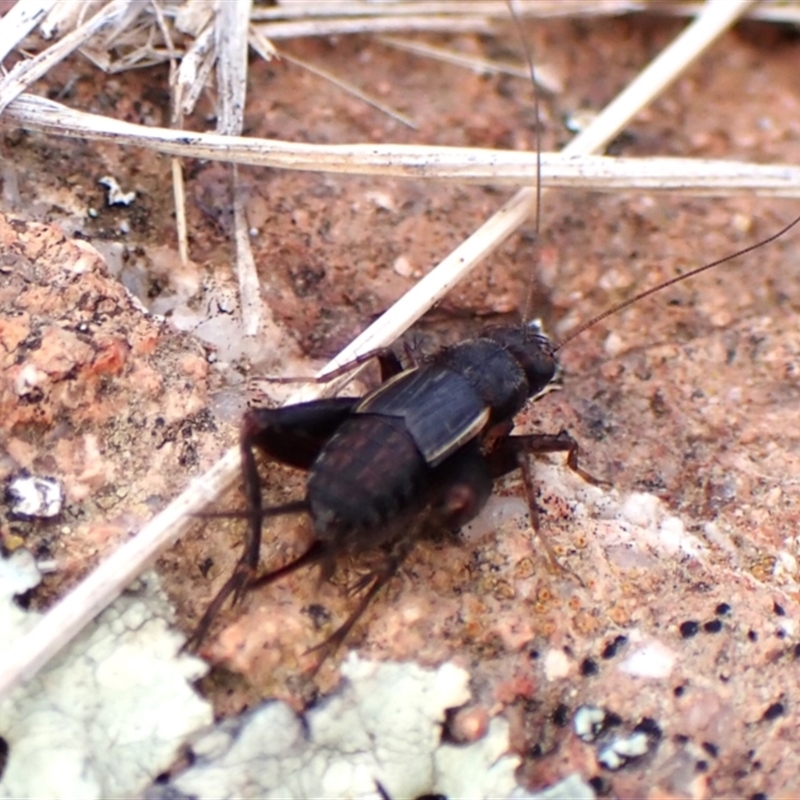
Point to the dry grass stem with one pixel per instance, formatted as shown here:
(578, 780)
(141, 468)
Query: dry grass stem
(369, 25)
(365, 8)
(465, 165)
(231, 45)
(231, 28)
(770, 11)
(448, 8)
(784, 11)
(193, 72)
(545, 77)
(179, 195)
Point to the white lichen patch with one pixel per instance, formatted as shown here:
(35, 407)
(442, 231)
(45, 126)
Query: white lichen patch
(382, 728)
(111, 712)
(116, 710)
(30, 496)
(623, 750)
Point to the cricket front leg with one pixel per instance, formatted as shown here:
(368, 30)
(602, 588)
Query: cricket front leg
(513, 452)
(505, 455)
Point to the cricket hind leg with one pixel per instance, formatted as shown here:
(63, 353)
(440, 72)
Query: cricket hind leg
(241, 580)
(293, 435)
(460, 487)
(373, 582)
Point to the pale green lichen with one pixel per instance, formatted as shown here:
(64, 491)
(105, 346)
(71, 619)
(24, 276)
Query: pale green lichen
(111, 712)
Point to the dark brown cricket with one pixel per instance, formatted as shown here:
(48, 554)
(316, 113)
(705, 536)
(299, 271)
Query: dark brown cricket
(418, 454)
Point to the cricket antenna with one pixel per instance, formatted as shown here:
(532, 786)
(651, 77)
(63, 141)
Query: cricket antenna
(528, 50)
(677, 279)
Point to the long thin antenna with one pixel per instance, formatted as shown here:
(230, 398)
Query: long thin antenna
(677, 279)
(528, 50)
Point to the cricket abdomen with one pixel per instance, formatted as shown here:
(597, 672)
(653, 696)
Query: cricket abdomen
(369, 479)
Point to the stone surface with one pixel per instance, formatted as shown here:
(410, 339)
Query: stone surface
(688, 402)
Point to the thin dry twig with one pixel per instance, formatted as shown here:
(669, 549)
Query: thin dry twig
(461, 164)
(545, 77)
(349, 88)
(231, 26)
(26, 656)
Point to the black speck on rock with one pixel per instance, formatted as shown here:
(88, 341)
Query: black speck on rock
(589, 667)
(774, 711)
(689, 628)
(611, 648)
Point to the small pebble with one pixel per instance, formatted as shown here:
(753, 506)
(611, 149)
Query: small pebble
(589, 722)
(35, 497)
